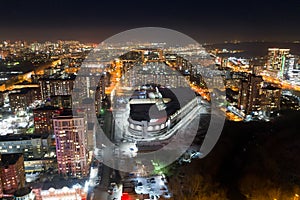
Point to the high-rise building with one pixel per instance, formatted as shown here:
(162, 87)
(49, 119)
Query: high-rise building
(12, 172)
(256, 98)
(71, 146)
(89, 81)
(277, 60)
(292, 69)
(100, 92)
(89, 115)
(270, 100)
(249, 94)
(243, 95)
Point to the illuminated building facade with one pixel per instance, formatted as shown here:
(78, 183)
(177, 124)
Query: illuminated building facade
(292, 69)
(254, 97)
(155, 110)
(30, 145)
(158, 83)
(277, 60)
(249, 94)
(58, 86)
(147, 110)
(12, 172)
(270, 100)
(43, 119)
(72, 193)
(39, 165)
(61, 101)
(100, 92)
(19, 100)
(22, 99)
(71, 146)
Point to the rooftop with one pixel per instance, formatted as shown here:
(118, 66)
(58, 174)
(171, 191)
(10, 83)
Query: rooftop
(23, 137)
(10, 159)
(173, 100)
(48, 107)
(22, 192)
(58, 182)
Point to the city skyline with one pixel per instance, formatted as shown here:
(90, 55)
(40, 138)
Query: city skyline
(118, 98)
(186, 111)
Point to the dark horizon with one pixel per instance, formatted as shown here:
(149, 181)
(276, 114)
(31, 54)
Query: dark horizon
(97, 36)
(94, 21)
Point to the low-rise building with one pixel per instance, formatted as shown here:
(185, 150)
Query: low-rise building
(31, 145)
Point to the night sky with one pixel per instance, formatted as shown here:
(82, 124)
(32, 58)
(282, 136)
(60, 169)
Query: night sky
(205, 21)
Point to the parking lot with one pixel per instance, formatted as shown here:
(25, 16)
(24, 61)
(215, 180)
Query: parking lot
(155, 186)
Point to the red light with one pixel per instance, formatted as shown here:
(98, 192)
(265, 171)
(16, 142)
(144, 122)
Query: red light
(125, 196)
